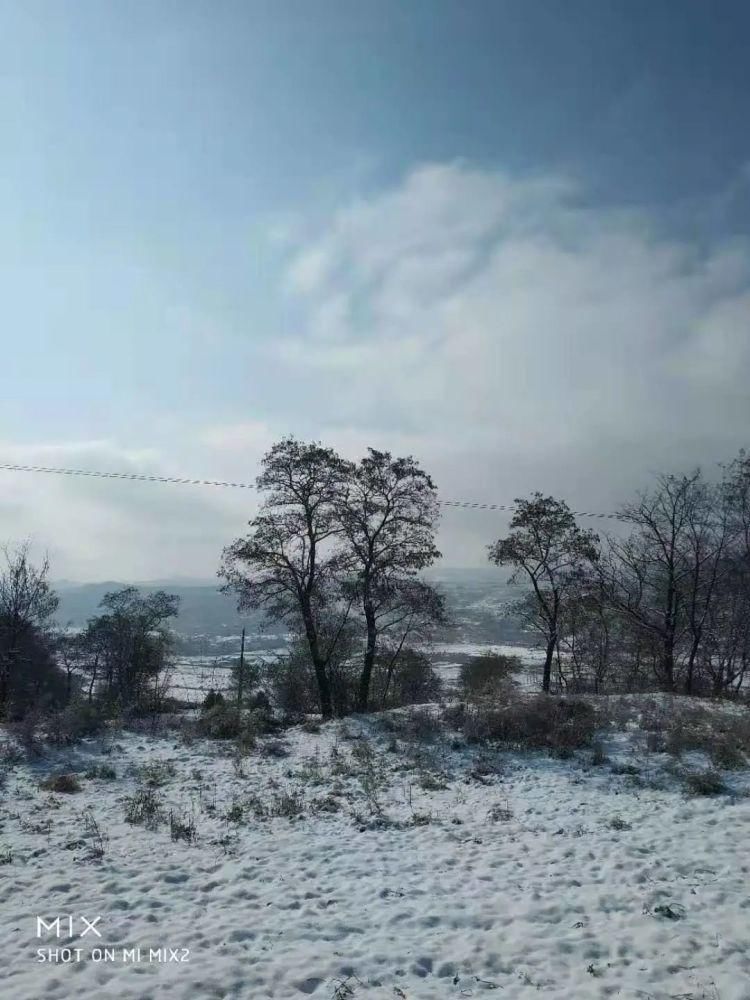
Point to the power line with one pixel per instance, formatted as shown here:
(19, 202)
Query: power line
(178, 481)
(124, 475)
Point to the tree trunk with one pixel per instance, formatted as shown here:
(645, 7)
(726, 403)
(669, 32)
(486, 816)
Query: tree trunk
(3, 693)
(391, 668)
(547, 675)
(93, 681)
(364, 680)
(324, 689)
(319, 665)
(691, 663)
(667, 664)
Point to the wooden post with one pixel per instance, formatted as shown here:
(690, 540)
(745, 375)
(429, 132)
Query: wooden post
(241, 677)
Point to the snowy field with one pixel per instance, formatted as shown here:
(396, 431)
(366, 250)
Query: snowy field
(192, 677)
(531, 659)
(397, 868)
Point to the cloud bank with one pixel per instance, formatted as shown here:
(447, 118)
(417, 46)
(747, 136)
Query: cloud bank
(505, 331)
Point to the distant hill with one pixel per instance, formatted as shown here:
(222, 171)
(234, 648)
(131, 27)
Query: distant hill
(477, 600)
(203, 609)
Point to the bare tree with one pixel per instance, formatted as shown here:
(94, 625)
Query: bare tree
(287, 564)
(588, 630)
(411, 614)
(388, 518)
(657, 575)
(724, 655)
(546, 545)
(708, 541)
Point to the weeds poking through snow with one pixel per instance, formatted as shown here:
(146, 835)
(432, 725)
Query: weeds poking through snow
(311, 771)
(617, 823)
(289, 804)
(344, 988)
(235, 813)
(326, 804)
(104, 771)
(285, 803)
(238, 763)
(158, 773)
(371, 772)
(500, 813)
(43, 828)
(669, 911)
(432, 783)
(182, 827)
(97, 839)
(143, 809)
(420, 819)
(598, 755)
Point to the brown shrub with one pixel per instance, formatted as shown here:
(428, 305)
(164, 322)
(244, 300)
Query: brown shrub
(705, 783)
(489, 675)
(723, 734)
(541, 721)
(66, 783)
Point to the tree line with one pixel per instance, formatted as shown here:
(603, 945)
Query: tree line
(337, 551)
(119, 661)
(664, 604)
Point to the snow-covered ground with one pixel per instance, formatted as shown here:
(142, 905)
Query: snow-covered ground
(526, 654)
(412, 870)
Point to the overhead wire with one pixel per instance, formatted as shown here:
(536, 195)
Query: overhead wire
(227, 484)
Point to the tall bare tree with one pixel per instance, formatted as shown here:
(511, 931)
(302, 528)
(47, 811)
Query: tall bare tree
(708, 543)
(287, 563)
(546, 545)
(655, 573)
(388, 517)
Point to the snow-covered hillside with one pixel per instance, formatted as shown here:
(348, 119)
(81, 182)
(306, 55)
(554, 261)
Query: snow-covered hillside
(372, 858)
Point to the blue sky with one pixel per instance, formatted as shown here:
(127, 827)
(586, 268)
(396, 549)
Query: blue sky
(510, 237)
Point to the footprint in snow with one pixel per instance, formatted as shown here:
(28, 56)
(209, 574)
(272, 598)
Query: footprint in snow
(242, 935)
(309, 985)
(174, 878)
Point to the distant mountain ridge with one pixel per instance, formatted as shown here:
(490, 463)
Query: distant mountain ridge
(477, 602)
(203, 609)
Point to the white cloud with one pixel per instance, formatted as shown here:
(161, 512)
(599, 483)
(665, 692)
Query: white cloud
(252, 437)
(507, 333)
(526, 338)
